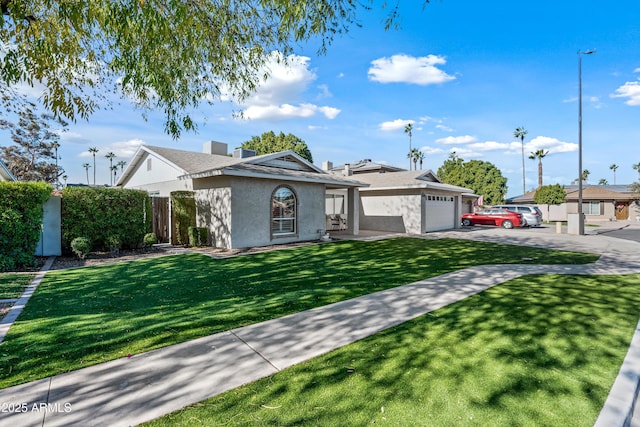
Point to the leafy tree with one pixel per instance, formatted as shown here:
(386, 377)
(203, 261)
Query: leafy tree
(34, 155)
(481, 177)
(167, 55)
(269, 142)
(550, 195)
(614, 168)
(520, 133)
(636, 167)
(539, 154)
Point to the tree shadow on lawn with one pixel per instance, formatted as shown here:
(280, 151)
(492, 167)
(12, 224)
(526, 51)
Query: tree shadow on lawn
(538, 350)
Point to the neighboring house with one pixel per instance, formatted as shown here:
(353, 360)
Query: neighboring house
(360, 167)
(599, 202)
(5, 173)
(244, 200)
(405, 201)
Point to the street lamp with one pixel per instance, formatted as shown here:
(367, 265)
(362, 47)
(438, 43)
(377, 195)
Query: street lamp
(580, 215)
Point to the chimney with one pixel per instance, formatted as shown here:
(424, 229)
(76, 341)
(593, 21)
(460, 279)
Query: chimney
(214, 147)
(327, 165)
(347, 170)
(243, 153)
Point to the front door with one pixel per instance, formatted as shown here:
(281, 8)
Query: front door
(622, 211)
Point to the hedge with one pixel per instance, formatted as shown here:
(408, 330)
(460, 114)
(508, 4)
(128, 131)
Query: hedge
(103, 213)
(21, 222)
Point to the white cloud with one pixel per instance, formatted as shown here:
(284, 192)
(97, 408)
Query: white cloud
(449, 140)
(444, 128)
(553, 145)
(122, 149)
(394, 125)
(637, 70)
(431, 150)
(630, 90)
(277, 97)
(408, 69)
(489, 146)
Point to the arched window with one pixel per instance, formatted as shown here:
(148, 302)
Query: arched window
(283, 211)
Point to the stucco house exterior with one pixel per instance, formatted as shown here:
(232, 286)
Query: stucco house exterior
(5, 173)
(599, 203)
(244, 200)
(403, 201)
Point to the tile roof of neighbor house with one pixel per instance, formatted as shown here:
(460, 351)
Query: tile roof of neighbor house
(407, 179)
(5, 173)
(201, 165)
(589, 192)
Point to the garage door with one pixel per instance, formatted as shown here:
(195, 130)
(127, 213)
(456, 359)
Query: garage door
(440, 212)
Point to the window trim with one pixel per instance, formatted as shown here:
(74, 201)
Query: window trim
(294, 219)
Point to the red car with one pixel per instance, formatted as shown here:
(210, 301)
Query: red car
(493, 216)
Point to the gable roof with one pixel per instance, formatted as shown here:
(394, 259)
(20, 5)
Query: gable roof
(285, 165)
(589, 192)
(406, 180)
(5, 173)
(366, 166)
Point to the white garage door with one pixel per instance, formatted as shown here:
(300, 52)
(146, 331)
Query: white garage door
(440, 212)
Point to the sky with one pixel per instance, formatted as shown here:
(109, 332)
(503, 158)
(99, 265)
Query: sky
(464, 73)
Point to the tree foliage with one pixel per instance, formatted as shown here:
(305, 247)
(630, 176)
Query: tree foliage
(164, 54)
(269, 142)
(550, 195)
(33, 157)
(482, 177)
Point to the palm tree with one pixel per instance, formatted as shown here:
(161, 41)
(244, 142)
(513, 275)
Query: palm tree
(538, 154)
(408, 129)
(585, 175)
(110, 155)
(93, 150)
(420, 158)
(414, 156)
(86, 167)
(64, 177)
(603, 181)
(520, 132)
(121, 164)
(115, 171)
(614, 168)
(636, 167)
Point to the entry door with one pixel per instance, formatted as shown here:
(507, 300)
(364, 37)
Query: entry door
(622, 211)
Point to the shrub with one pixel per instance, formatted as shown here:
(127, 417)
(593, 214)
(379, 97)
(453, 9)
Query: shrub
(20, 222)
(103, 212)
(81, 246)
(198, 236)
(149, 240)
(114, 242)
(184, 213)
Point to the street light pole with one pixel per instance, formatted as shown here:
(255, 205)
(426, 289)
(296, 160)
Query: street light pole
(580, 214)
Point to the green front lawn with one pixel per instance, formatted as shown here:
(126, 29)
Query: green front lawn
(86, 316)
(537, 350)
(12, 285)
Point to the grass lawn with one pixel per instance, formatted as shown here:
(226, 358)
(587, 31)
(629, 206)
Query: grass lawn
(81, 317)
(537, 350)
(12, 285)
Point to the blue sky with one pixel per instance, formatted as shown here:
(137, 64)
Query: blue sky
(465, 73)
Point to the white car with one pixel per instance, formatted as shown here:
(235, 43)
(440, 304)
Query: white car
(531, 214)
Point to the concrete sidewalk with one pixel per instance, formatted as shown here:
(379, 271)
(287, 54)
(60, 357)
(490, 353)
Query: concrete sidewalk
(126, 392)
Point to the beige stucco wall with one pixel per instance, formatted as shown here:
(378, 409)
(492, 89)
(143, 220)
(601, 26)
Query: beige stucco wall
(237, 211)
(399, 211)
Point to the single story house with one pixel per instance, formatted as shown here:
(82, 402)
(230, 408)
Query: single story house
(599, 202)
(5, 173)
(402, 201)
(244, 200)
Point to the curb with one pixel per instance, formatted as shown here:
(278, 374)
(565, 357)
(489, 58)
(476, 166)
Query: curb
(17, 308)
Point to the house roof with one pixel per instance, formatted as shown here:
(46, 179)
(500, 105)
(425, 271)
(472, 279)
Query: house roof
(5, 173)
(285, 165)
(407, 180)
(589, 192)
(367, 166)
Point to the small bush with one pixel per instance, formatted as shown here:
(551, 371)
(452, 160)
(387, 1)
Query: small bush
(81, 246)
(198, 236)
(149, 240)
(114, 243)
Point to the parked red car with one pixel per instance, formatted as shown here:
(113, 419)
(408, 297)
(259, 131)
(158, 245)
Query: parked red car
(493, 216)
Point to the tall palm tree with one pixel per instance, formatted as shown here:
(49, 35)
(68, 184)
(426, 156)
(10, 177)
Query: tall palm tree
(408, 129)
(420, 158)
(415, 153)
(86, 167)
(585, 175)
(603, 181)
(115, 171)
(110, 155)
(93, 150)
(520, 132)
(636, 167)
(538, 154)
(614, 168)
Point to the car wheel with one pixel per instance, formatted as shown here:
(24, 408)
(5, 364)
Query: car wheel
(507, 224)
(466, 222)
